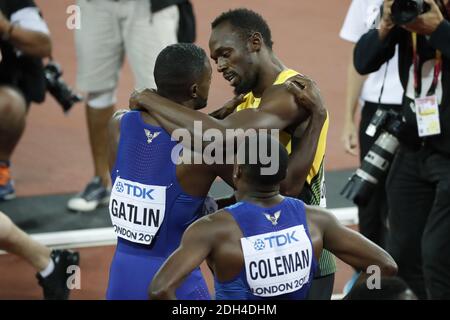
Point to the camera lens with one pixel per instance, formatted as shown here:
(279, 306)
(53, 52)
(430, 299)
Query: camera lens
(405, 11)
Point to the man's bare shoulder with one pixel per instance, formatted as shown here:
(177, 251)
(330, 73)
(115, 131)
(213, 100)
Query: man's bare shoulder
(221, 216)
(277, 99)
(277, 92)
(319, 216)
(220, 223)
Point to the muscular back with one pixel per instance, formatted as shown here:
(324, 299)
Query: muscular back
(227, 260)
(226, 257)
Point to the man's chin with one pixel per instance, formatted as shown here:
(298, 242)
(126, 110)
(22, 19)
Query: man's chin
(202, 105)
(244, 87)
(241, 90)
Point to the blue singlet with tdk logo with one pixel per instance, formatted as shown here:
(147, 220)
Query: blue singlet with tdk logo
(149, 211)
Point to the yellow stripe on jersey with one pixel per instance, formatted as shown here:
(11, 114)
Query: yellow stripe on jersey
(252, 102)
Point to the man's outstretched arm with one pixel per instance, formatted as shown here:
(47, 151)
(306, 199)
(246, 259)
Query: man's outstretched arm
(195, 247)
(278, 110)
(350, 246)
(272, 114)
(228, 108)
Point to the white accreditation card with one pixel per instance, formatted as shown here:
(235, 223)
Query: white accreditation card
(427, 114)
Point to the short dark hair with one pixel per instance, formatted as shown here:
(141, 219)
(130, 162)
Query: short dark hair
(253, 159)
(248, 22)
(179, 66)
(392, 288)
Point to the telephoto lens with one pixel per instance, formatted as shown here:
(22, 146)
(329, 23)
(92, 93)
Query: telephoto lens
(376, 163)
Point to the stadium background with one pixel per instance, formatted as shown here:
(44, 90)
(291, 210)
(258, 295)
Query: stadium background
(53, 161)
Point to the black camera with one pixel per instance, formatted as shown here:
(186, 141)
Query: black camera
(405, 11)
(376, 163)
(58, 88)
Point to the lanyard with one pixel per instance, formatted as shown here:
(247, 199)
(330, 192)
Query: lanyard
(437, 69)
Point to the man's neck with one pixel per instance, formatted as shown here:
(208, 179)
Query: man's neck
(271, 68)
(265, 197)
(189, 103)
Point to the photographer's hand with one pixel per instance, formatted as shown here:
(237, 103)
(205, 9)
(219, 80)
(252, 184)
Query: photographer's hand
(426, 23)
(29, 42)
(386, 24)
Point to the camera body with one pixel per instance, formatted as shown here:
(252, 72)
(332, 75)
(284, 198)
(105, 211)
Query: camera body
(405, 11)
(376, 163)
(58, 88)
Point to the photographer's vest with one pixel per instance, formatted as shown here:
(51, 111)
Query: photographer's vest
(23, 72)
(278, 254)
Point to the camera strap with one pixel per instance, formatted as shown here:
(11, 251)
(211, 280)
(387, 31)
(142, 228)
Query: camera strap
(417, 77)
(382, 84)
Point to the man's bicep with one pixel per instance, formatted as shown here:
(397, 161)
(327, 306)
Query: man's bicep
(193, 250)
(276, 111)
(255, 119)
(351, 247)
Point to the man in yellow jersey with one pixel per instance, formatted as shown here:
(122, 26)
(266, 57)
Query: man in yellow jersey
(241, 46)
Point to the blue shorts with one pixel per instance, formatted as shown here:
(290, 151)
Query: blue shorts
(131, 274)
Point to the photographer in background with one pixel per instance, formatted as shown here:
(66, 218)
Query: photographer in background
(381, 89)
(419, 180)
(24, 41)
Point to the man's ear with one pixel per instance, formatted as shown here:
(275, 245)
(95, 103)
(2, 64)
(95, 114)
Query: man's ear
(255, 42)
(193, 91)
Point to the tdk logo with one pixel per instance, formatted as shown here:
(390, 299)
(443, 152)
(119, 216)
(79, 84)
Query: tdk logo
(119, 187)
(276, 241)
(259, 245)
(135, 191)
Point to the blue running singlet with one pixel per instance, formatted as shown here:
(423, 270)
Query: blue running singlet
(279, 261)
(149, 211)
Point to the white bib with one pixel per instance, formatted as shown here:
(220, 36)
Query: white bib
(279, 262)
(137, 210)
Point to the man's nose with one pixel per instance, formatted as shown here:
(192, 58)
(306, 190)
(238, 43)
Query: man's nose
(221, 65)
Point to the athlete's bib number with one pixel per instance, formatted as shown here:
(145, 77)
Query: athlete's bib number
(137, 210)
(279, 262)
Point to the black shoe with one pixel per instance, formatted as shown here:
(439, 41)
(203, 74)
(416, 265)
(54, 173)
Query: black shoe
(55, 284)
(93, 196)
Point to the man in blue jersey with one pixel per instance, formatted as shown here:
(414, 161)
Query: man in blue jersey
(153, 200)
(266, 245)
